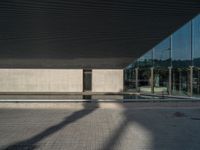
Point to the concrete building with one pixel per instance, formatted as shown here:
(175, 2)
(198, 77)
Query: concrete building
(81, 46)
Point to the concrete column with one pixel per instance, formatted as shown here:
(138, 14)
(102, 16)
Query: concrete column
(170, 81)
(136, 79)
(191, 81)
(152, 80)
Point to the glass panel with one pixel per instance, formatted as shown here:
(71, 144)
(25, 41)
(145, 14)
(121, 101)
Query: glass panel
(144, 80)
(162, 54)
(146, 60)
(161, 78)
(181, 49)
(180, 81)
(196, 82)
(129, 79)
(196, 41)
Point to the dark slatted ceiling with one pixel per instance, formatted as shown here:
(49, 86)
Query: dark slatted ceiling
(86, 33)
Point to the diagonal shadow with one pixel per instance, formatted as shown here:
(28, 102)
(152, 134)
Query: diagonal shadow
(31, 143)
(114, 140)
(165, 133)
(118, 132)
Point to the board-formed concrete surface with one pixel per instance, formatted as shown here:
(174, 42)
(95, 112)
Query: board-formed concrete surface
(41, 80)
(107, 80)
(91, 127)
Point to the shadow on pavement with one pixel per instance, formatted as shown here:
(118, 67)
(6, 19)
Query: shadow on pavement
(31, 143)
(164, 130)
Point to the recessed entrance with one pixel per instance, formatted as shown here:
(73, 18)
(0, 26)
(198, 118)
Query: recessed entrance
(87, 80)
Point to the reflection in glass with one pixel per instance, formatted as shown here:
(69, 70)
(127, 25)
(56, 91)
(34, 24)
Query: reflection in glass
(161, 77)
(196, 41)
(181, 51)
(180, 81)
(146, 60)
(196, 82)
(144, 80)
(129, 79)
(162, 53)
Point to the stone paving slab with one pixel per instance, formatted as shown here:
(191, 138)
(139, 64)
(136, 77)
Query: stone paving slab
(91, 127)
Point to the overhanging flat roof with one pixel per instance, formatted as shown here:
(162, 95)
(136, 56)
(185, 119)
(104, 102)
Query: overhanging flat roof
(86, 33)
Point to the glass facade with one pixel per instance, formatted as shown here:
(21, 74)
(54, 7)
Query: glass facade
(171, 67)
(129, 78)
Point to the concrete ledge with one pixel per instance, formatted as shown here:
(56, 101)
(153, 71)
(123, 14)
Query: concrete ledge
(111, 105)
(67, 93)
(45, 101)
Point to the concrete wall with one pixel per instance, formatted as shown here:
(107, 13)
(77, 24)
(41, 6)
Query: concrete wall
(41, 80)
(107, 80)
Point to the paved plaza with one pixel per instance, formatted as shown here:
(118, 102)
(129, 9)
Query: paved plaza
(93, 127)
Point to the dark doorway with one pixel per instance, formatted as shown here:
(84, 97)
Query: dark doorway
(87, 80)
